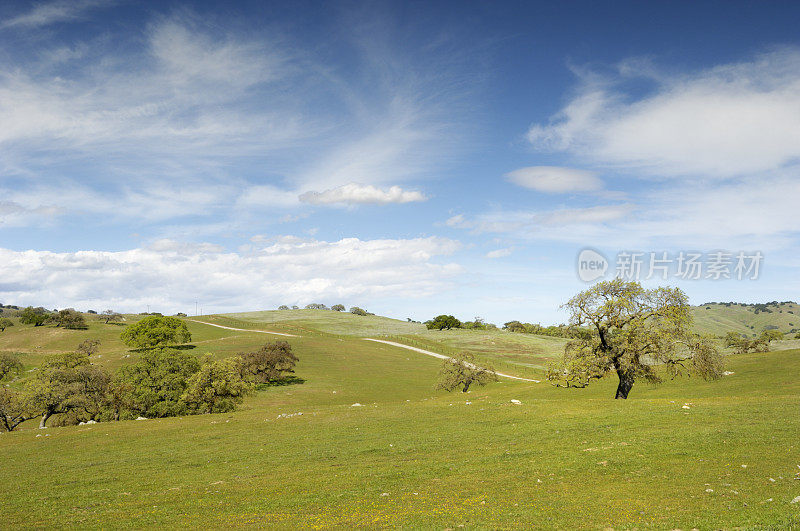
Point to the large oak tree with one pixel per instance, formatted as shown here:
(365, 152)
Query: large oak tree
(634, 332)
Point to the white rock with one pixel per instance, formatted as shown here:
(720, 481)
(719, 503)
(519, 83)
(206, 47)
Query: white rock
(728, 373)
(91, 422)
(709, 490)
(515, 401)
(141, 418)
(357, 405)
(384, 493)
(686, 407)
(796, 500)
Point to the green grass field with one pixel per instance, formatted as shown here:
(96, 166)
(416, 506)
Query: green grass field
(411, 456)
(720, 319)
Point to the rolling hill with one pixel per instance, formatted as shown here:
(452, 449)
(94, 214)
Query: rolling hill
(686, 454)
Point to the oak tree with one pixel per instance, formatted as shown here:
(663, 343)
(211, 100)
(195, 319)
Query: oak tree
(633, 332)
(460, 371)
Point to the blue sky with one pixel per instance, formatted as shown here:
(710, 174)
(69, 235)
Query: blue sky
(410, 158)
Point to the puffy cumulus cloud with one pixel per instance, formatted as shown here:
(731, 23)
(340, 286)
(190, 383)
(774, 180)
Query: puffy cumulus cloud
(730, 120)
(353, 193)
(169, 276)
(555, 179)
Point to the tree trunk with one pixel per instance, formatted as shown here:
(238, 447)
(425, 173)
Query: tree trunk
(625, 384)
(466, 386)
(43, 423)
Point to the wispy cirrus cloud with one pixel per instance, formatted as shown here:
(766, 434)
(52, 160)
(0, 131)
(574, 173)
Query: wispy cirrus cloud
(354, 194)
(209, 110)
(728, 121)
(47, 13)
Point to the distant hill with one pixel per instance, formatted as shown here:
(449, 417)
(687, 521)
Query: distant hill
(720, 318)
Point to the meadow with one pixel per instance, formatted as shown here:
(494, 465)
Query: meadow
(685, 454)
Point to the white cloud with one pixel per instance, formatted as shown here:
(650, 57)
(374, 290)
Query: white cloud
(568, 224)
(267, 195)
(170, 276)
(52, 12)
(191, 106)
(731, 120)
(457, 222)
(499, 253)
(353, 193)
(555, 180)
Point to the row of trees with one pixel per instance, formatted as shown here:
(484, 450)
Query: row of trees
(67, 318)
(742, 345)
(552, 330)
(336, 308)
(447, 322)
(163, 382)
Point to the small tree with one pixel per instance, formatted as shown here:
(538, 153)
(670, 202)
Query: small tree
(268, 364)
(355, 310)
(59, 385)
(88, 347)
(10, 366)
(514, 326)
(34, 316)
(216, 388)
(283, 307)
(337, 307)
(158, 380)
(633, 331)
(156, 331)
(110, 316)
(460, 371)
(5, 322)
(69, 319)
(14, 409)
(443, 322)
(771, 335)
(316, 306)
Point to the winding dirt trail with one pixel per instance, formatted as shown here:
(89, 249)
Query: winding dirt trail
(243, 329)
(443, 357)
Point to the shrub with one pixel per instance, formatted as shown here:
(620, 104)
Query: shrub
(443, 322)
(156, 331)
(158, 380)
(269, 363)
(218, 387)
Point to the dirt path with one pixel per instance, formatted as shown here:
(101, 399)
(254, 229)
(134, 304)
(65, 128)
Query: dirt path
(243, 329)
(443, 357)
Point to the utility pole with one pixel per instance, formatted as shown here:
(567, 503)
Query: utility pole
(195, 309)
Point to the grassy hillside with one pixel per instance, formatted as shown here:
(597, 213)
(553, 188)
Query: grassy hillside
(521, 354)
(414, 457)
(720, 319)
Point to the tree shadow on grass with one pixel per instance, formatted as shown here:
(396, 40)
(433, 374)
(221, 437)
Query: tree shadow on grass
(175, 347)
(289, 380)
